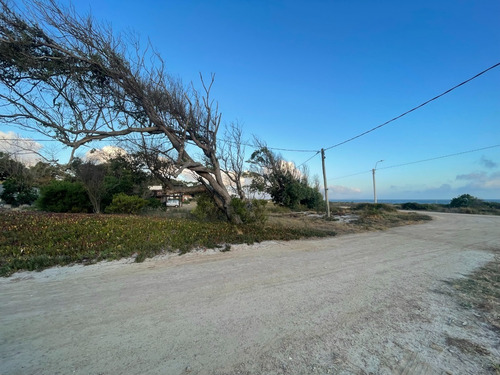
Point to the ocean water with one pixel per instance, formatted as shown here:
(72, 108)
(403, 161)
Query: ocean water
(399, 201)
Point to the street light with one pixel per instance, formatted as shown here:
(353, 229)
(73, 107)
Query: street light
(374, 186)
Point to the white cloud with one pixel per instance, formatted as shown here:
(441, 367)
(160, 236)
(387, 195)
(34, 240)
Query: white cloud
(343, 190)
(101, 155)
(481, 181)
(474, 176)
(21, 149)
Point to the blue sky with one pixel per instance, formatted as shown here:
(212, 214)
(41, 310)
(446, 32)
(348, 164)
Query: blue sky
(310, 74)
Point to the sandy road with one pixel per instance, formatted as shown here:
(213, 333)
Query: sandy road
(362, 303)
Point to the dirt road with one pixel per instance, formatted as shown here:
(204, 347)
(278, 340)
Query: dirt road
(365, 303)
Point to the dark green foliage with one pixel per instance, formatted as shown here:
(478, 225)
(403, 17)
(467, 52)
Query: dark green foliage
(418, 206)
(123, 175)
(126, 204)
(17, 192)
(206, 208)
(64, 196)
(375, 207)
(466, 200)
(17, 182)
(34, 241)
(253, 211)
(9, 167)
(311, 197)
(464, 204)
(154, 203)
(372, 209)
(281, 180)
(493, 205)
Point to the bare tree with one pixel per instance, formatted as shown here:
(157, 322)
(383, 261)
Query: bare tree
(232, 157)
(72, 79)
(162, 163)
(92, 176)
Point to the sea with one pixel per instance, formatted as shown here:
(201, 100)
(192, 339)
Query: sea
(399, 201)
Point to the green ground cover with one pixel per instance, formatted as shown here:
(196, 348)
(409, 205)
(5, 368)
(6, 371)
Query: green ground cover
(34, 240)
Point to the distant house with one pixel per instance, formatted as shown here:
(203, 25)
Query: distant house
(170, 199)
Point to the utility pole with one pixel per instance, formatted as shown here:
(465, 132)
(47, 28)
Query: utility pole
(326, 185)
(374, 185)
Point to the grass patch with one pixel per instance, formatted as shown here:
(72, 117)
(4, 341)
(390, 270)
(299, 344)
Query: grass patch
(466, 346)
(365, 218)
(35, 241)
(483, 208)
(481, 291)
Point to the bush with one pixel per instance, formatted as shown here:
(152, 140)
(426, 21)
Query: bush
(206, 208)
(154, 203)
(418, 206)
(372, 209)
(16, 193)
(253, 211)
(466, 200)
(126, 204)
(64, 196)
(375, 207)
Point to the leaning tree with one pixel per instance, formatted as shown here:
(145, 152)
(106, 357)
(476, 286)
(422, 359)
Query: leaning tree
(72, 79)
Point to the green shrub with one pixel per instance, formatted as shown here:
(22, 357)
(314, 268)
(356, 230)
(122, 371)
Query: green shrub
(17, 193)
(154, 203)
(206, 208)
(466, 200)
(64, 196)
(126, 204)
(253, 211)
(418, 206)
(374, 207)
(493, 205)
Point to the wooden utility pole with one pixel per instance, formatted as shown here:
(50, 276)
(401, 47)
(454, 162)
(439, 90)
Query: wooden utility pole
(324, 181)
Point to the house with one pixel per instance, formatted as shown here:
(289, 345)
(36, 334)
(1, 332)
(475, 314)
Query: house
(170, 198)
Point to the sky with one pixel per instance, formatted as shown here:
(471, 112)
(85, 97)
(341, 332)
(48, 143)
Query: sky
(307, 75)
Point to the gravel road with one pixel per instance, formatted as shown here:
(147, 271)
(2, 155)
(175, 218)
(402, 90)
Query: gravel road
(354, 304)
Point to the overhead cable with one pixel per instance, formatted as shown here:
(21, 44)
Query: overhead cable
(418, 161)
(300, 165)
(413, 109)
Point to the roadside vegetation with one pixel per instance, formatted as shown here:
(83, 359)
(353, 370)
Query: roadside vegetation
(463, 204)
(480, 291)
(31, 240)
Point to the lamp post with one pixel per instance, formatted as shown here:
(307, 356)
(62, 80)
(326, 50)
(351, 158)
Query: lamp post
(374, 186)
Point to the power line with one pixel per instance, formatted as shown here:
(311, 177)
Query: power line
(300, 165)
(270, 148)
(349, 175)
(419, 161)
(119, 140)
(439, 157)
(413, 109)
(343, 142)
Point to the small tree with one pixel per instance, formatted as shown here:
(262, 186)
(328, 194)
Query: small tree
(465, 200)
(232, 157)
(92, 176)
(282, 181)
